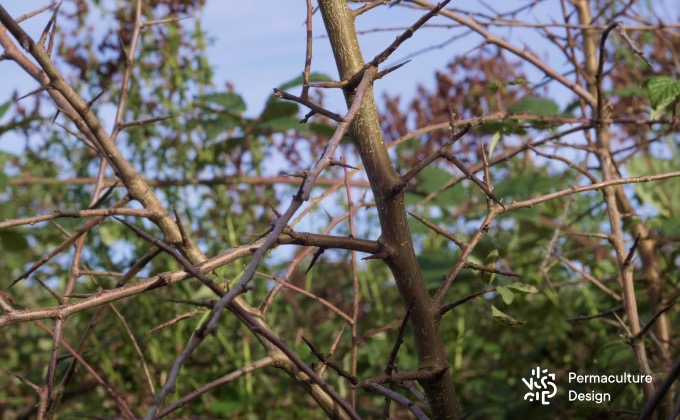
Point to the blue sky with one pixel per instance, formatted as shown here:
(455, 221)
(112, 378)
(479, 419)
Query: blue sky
(257, 45)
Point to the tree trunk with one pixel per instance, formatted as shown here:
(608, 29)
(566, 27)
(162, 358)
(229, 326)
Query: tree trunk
(396, 237)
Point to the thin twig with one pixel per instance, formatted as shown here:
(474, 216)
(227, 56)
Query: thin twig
(262, 363)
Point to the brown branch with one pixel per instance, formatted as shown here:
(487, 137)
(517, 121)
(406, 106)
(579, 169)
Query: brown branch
(389, 369)
(73, 214)
(226, 180)
(23, 380)
(125, 124)
(241, 285)
(651, 322)
(471, 176)
(598, 315)
(372, 386)
(308, 53)
(372, 4)
(173, 321)
(569, 163)
(45, 394)
(134, 270)
(154, 282)
(448, 235)
(591, 279)
(442, 152)
(467, 250)
(309, 104)
(631, 43)
(120, 402)
(87, 122)
(593, 187)
(86, 227)
(163, 21)
(663, 388)
(205, 329)
(479, 267)
(259, 364)
(312, 296)
(395, 378)
(449, 306)
(384, 55)
(522, 53)
(135, 344)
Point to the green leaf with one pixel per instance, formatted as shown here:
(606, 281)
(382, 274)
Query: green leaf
(214, 127)
(4, 178)
(230, 101)
(322, 129)
(494, 86)
(668, 226)
(13, 241)
(313, 78)
(505, 319)
(527, 183)
(664, 195)
(523, 288)
(662, 90)
(541, 107)
(228, 145)
(494, 142)
(283, 124)
(490, 262)
(628, 91)
(508, 127)
(4, 107)
(507, 294)
(434, 265)
(109, 234)
(278, 109)
(432, 178)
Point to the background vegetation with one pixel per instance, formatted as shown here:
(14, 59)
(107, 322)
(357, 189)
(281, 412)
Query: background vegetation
(545, 235)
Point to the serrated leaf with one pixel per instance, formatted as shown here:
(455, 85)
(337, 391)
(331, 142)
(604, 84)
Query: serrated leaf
(523, 288)
(505, 319)
(229, 101)
(313, 78)
(541, 107)
(662, 90)
(4, 107)
(507, 294)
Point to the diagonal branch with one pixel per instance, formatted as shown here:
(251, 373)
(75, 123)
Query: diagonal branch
(240, 286)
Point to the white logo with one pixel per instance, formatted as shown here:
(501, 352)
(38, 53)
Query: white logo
(540, 387)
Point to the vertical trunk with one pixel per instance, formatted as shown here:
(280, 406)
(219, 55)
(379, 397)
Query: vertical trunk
(617, 203)
(368, 139)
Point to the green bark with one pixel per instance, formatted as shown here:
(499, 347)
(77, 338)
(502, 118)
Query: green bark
(396, 237)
